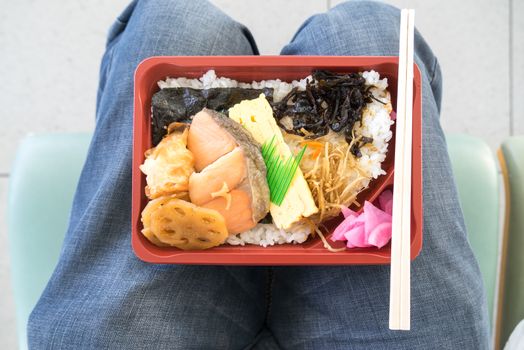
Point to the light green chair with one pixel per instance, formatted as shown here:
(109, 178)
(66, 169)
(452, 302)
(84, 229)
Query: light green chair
(511, 156)
(476, 175)
(41, 187)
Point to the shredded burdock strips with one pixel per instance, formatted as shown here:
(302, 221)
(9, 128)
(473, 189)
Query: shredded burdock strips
(326, 244)
(332, 173)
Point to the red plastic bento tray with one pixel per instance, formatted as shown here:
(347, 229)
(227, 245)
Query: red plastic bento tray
(247, 69)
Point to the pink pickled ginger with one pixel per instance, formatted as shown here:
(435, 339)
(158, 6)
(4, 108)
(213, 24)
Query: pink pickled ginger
(372, 227)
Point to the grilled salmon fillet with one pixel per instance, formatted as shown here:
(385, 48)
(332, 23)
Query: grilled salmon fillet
(231, 173)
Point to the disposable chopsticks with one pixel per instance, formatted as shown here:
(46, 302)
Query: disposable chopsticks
(399, 302)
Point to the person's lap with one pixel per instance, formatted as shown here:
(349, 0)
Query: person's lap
(102, 296)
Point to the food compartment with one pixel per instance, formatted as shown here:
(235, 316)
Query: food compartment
(247, 69)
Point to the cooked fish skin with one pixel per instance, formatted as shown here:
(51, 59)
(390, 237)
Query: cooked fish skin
(254, 183)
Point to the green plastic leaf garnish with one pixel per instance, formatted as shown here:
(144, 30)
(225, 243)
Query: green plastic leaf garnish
(280, 172)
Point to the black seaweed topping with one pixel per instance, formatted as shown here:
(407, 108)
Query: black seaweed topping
(331, 101)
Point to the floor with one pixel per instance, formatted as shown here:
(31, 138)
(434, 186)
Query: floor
(50, 66)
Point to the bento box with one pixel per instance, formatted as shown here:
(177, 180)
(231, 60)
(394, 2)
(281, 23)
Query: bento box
(286, 68)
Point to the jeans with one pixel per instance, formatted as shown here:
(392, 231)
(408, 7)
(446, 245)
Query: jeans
(101, 296)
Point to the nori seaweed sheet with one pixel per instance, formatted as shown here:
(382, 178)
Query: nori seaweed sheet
(180, 104)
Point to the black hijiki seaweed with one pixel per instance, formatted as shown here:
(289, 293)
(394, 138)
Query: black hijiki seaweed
(180, 104)
(332, 101)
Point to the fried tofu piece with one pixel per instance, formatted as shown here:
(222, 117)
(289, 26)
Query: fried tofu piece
(168, 165)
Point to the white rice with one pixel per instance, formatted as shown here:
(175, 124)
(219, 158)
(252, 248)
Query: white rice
(376, 123)
(268, 234)
(210, 80)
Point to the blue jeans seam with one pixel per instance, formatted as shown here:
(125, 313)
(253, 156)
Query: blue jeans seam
(433, 71)
(269, 294)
